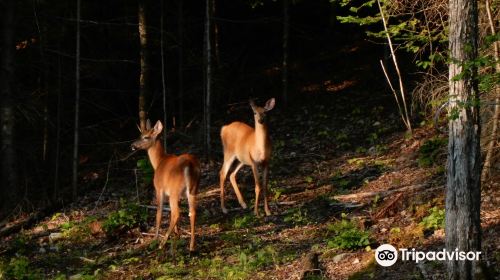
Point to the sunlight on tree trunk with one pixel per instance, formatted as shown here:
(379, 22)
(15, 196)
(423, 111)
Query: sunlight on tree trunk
(144, 76)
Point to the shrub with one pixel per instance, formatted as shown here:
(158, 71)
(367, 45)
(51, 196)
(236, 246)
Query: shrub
(128, 217)
(347, 235)
(19, 268)
(435, 219)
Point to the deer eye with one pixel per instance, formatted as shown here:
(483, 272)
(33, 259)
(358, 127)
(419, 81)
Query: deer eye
(146, 137)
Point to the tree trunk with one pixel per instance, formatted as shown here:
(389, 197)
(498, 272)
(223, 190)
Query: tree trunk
(286, 29)
(208, 77)
(144, 53)
(463, 188)
(490, 150)
(77, 102)
(8, 183)
(163, 78)
(180, 89)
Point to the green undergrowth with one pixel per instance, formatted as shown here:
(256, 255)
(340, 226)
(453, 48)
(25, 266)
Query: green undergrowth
(346, 234)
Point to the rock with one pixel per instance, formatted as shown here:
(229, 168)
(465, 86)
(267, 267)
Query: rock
(42, 250)
(76, 276)
(340, 257)
(356, 261)
(55, 236)
(383, 230)
(293, 154)
(377, 123)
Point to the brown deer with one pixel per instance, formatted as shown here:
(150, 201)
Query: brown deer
(251, 146)
(172, 176)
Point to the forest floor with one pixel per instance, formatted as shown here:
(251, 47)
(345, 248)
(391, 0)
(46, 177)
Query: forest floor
(344, 179)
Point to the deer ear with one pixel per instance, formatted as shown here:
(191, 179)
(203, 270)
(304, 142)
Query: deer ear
(270, 104)
(148, 124)
(252, 104)
(158, 128)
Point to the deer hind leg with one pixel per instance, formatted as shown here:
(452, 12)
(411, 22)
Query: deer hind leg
(228, 161)
(232, 178)
(265, 174)
(192, 181)
(255, 172)
(159, 210)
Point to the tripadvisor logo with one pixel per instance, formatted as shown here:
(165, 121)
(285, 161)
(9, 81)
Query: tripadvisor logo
(387, 255)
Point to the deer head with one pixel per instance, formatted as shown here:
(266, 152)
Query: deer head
(260, 112)
(148, 136)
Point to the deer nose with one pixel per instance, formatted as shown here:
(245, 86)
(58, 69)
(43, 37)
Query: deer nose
(132, 147)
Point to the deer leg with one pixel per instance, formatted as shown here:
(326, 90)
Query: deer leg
(223, 173)
(192, 219)
(265, 174)
(174, 217)
(192, 182)
(255, 172)
(159, 210)
(232, 178)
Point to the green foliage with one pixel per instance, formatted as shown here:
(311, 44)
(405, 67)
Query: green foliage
(238, 266)
(147, 171)
(430, 151)
(297, 216)
(129, 216)
(435, 219)
(347, 235)
(246, 221)
(19, 268)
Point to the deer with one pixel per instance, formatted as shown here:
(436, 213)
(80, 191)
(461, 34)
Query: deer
(173, 175)
(251, 146)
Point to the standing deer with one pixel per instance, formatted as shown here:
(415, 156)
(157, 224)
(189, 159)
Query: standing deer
(251, 146)
(172, 176)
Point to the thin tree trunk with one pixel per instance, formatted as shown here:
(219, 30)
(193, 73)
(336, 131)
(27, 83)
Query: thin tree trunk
(144, 53)
(180, 90)
(55, 191)
(163, 78)
(9, 178)
(286, 30)
(463, 187)
(77, 102)
(496, 115)
(208, 77)
(216, 37)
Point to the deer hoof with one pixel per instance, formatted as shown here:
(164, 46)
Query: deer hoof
(244, 205)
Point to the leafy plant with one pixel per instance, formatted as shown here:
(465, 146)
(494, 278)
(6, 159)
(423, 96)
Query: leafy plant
(146, 170)
(347, 235)
(430, 151)
(297, 216)
(129, 216)
(244, 222)
(435, 219)
(19, 268)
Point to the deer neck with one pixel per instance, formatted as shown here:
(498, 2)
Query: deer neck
(156, 154)
(260, 135)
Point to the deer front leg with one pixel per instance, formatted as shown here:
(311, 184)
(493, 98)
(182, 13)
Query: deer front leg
(174, 217)
(255, 172)
(159, 211)
(232, 178)
(223, 173)
(264, 187)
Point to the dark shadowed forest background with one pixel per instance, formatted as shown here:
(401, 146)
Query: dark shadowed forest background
(366, 109)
